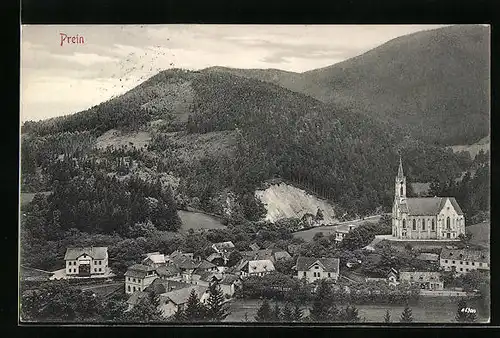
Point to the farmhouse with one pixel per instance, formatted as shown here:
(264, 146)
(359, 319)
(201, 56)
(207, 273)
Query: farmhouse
(86, 262)
(463, 260)
(424, 217)
(340, 235)
(427, 280)
(248, 268)
(312, 269)
(138, 277)
(173, 301)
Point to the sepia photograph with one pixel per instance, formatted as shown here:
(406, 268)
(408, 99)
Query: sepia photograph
(231, 174)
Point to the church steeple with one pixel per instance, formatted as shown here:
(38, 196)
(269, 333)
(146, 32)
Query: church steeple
(400, 169)
(400, 186)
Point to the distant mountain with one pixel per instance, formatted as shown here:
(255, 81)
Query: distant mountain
(434, 84)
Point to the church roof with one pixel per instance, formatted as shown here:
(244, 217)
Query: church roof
(428, 205)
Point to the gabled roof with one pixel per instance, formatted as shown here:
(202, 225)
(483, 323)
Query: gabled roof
(425, 256)
(229, 279)
(465, 255)
(181, 296)
(254, 247)
(423, 206)
(205, 265)
(168, 271)
(96, 252)
(139, 270)
(257, 266)
(184, 262)
(136, 297)
(156, 258)
(281, 255)
(417, 276)
(160, 286)
(223, 245)
(213, 256)
(329, 264)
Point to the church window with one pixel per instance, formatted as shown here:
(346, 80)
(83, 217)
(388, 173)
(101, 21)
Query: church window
(414, 224)
(401, 190)
(432, 225)
(448, 222)
(423, 224)
(404, 223)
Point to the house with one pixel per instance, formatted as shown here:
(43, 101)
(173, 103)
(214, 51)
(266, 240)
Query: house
(155, 259)
(86, 262)
(229, 284)
(464, 260)
(169, 271)
(248, 268)
(312, 269)
(223, 247)
(428, 257)
(206, 278)
(392, 277)
(216, 258)
(427, 280)
(138, 277)
(281, 255)
(135, 299)
(159, 286)
(173, 301)
(340, 234)
(265, 254)
(424, 217)
(206, 266)
(254, 247)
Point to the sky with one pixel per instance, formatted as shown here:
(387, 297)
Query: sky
(64, 78)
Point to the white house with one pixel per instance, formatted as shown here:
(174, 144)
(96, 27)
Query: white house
(426, 280)
(340, 234)
(248, 268)
(463, 260)
(312, 269)
(86, 262)
(138, 277)
(155, 259)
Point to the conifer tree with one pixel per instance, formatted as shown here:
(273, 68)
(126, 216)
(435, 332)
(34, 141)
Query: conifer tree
(216, 308)
(387, 317)
(323, 309)
(264, 312)
(350, 314)
(194, 309)
(297, 314)
(276, 313)
(406, 315)
(287, 313)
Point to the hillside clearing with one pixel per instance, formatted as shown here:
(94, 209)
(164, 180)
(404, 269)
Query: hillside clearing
(117, 139)
(286, 201)
(198, 220)
(474, 149)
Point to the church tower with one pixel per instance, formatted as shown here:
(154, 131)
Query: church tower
(400, 184)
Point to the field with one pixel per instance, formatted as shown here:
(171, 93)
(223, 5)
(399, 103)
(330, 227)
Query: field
(480, 234)
(327, 230)
(428, 310)
(198, 220)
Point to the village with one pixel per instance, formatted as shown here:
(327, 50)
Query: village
(437, 264)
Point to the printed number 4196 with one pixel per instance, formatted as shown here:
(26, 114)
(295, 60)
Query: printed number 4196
(468, 310)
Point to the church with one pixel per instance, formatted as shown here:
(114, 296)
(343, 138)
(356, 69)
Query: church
(424, 217)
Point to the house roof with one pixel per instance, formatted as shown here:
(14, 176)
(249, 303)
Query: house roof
(258, 266)
(96, 252)
(329, 264)
(229, 279)
(138, 270)
(421, 206)
(208, 276)
(254, 247)
(184, 262)
(465, 255)
(168, 271)
(223, 245)
(426, 256)
(182, 295)
(136, 297)
(213, 256)
(156, 258)
(204, 265)
(281, 255)
(160, 286)
(258, 255)
(416, 276)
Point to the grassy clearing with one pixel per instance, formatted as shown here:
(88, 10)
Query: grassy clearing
(480, 234)
(198, 220)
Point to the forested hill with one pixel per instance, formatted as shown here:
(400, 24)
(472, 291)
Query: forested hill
(433, 83)
(256, 131)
